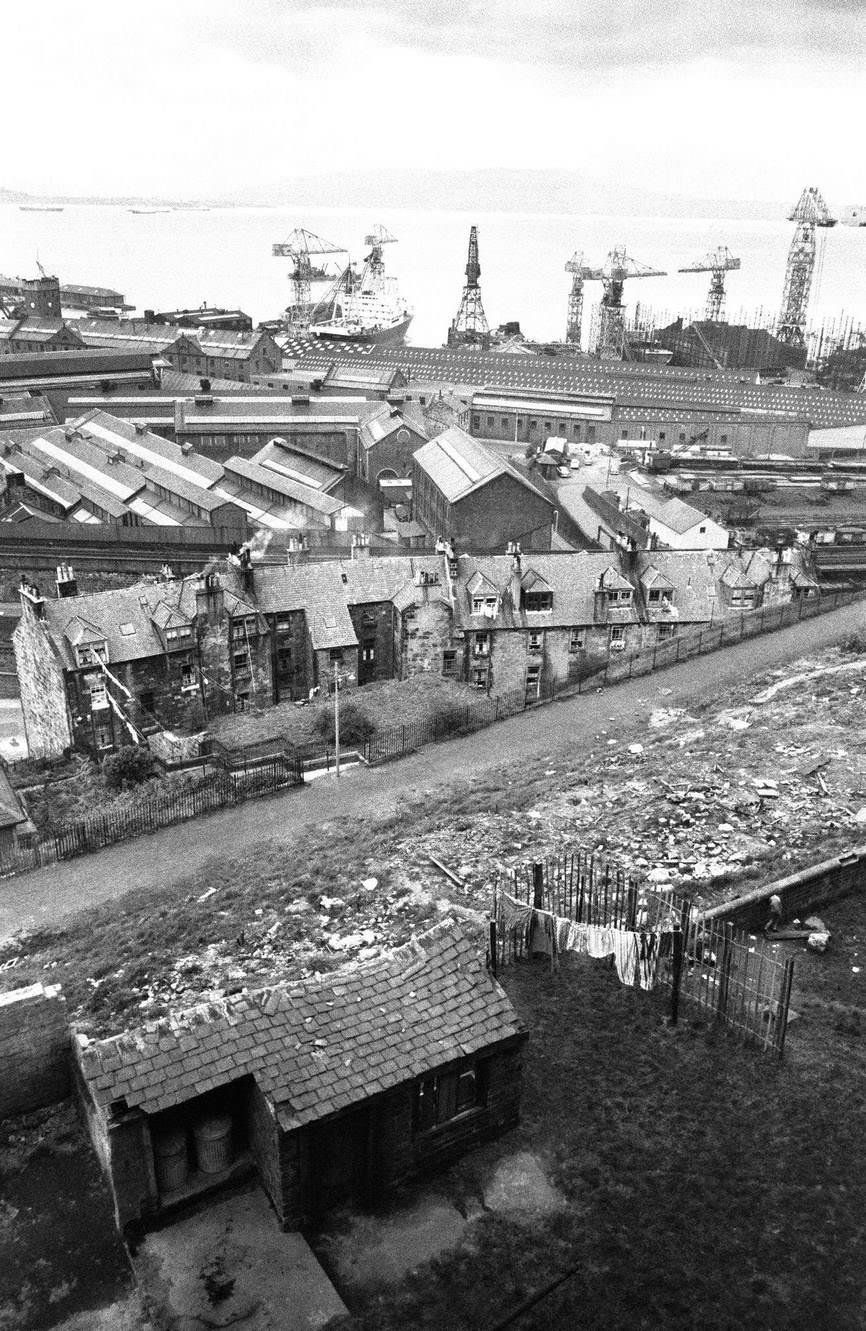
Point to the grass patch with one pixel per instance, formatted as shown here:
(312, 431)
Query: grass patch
(380, 706)
(707, 1186)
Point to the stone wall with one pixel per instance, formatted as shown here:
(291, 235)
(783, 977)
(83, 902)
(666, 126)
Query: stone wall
(34, 1049)
(801, 892)
(43, 693)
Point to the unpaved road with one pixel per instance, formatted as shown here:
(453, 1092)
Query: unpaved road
(166, 857)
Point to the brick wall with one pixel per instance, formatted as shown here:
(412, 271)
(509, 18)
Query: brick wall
(43, 694)
(34, 1049)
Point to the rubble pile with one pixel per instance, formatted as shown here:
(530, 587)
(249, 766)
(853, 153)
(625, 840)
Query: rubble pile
(714, 801)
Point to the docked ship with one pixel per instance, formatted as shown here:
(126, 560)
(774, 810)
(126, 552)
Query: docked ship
(41, 207)
(365, 307)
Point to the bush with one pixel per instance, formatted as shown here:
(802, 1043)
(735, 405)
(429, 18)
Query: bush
(129, 766)
(854, 643)
(355, 725)
(451, 718)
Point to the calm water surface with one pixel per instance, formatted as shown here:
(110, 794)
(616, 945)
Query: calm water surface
(223, 257)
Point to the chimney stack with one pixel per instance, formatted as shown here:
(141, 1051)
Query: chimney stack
(66, 582)
(32, 600)
(360, 545)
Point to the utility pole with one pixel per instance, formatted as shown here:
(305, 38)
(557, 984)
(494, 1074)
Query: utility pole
(338, 678)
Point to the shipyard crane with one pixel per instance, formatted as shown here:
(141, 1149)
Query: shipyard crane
(610, 339)
(378, 237)
(470, 327)
(718, 262)
(574, 320)
(810, 212)
(299, 247)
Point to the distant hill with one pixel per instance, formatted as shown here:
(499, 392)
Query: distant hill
(490, 190)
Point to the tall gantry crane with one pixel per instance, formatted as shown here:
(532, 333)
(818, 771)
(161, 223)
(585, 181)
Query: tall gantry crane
(609, 339)
(810, 212)
(470, 327)
(299, 247)
(574, 319)
(718, 262)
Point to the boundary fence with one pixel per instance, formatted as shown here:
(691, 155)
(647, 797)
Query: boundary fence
(709, 964)
(396, 741)
(223, 787)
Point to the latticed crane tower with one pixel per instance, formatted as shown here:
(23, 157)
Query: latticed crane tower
(299, 247)
(718, 262)
(470, 327)
(574, 319)
(810, 212)
(610, 339)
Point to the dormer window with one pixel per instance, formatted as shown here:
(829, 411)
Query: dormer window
(619, 596)
(660, 596)
(537, 600)
(89, 653)
(179, 635)
(483, 605)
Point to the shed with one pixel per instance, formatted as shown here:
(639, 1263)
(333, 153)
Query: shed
(330, 1088)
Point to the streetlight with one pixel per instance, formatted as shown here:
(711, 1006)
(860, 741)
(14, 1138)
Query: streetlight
(338, 677)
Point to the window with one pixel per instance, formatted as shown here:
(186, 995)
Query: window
(490, 420)
(548, 426)
(91, 653)
(476, 422)
(702, 530)
(723, 438)
(536, 640)
(336, 654)
(743, 596)
(479, 677)
(368, 651)
(242, 702)
(533, 681)
(439, 1099)
(481, 645)
(187, 676)
(617, 637)
(504, 422)
(537, 600)
(577, 641)
(661, 436)
(682, 436)
(533, 424)
(659, 596)
(146, 700)
(667, 630)
(178, 636)
(619, 597)
(449, 662)
(127, 630)
(102, 736)
(562, 427)
(624, 434)
(98, 695)
(482, 605)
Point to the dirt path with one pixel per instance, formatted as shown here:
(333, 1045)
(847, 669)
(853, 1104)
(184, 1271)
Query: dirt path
(168, 856)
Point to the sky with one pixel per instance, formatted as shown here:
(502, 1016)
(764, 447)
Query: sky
(733, 99)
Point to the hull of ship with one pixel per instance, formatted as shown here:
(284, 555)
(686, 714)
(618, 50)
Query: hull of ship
(392, 336)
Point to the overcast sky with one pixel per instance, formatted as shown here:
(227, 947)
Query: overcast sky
(746, 99)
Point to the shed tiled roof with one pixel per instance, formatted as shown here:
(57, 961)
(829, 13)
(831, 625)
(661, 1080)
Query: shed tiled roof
(315, 1046)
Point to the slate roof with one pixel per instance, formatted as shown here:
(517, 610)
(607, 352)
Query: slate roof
(244, 470)
(457, 464)
(691, 573)
(571, 576)
(673, 513)
(315, 1046)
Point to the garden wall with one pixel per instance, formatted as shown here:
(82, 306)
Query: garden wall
(801, 892)
(34, 1049)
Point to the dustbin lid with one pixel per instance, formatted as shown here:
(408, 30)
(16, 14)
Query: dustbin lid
(219, 1125)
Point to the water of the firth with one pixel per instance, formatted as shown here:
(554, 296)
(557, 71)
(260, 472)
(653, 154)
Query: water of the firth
(223, 256)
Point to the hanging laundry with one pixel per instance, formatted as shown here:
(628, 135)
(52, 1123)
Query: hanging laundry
(599, 941)
(649, 951)
(577, 938)
(625, 955)
(563, 930)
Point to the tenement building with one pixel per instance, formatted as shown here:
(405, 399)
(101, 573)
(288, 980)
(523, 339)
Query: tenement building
(107, 669)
